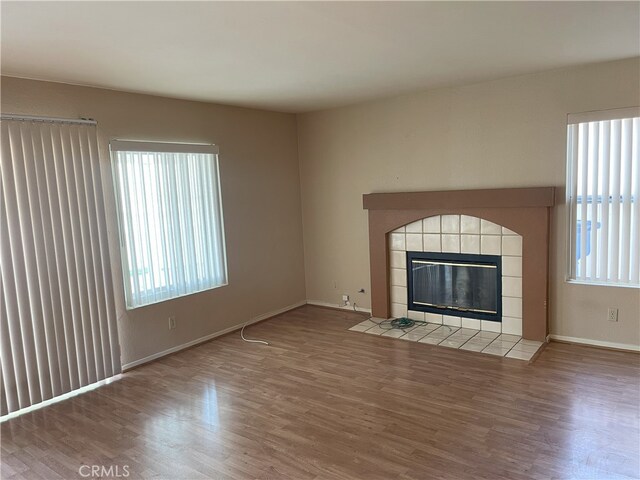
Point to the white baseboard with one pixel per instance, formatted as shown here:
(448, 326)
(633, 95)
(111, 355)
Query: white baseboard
(595, 343)
(135, 363)
(320, 303)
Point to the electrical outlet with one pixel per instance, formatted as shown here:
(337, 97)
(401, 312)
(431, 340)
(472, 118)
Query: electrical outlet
(345, 299)
(172, 323)
(612, 314)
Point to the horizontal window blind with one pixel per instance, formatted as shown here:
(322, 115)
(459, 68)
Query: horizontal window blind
(170, 218)
(603, 190)
(59, 329)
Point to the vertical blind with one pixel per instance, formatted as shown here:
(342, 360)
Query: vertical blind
(603, 188)
(170, 218)
(58, 313)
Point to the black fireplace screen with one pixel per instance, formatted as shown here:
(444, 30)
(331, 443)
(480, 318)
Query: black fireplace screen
(455, 284)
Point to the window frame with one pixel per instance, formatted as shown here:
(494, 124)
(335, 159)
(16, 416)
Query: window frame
(115, 146)
(571, 204)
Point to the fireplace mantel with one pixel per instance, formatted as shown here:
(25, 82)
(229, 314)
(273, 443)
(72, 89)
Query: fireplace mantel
(524, 210)
(491, 198)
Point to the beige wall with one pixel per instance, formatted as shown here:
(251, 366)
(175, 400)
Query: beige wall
(261, 201)
(504, 133)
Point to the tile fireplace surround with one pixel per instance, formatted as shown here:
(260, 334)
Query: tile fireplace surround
(459, 234)
(508, 222)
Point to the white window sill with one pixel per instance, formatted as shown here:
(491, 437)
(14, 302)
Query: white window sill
(155, 302)
(600, 284)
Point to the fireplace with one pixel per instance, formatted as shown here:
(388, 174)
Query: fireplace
(511, 222)
(455, 284)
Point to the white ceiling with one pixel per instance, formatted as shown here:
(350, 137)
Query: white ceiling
(301, 56)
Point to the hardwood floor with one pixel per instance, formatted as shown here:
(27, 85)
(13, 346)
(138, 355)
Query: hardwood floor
(322, 402)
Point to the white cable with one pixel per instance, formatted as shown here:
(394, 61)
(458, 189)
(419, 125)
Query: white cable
(248, 339)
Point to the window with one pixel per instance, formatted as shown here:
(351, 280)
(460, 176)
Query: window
(603, 194)
(170, 219)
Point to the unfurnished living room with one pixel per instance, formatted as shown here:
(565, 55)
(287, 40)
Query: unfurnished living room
(320, 240)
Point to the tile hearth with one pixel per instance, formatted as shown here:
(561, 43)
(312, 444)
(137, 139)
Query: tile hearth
(492, 343)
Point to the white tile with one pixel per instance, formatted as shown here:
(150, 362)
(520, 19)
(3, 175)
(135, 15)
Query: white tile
(482, 342)
(486, 335)
(397, 241)
(451, 343)
(399, 230)
(470, 323)
(425, 329)
(519, 347)
(431, 224)
(414, 242)
(459, 339)
(446, 330)
(399, 277)
(415, 227)
(467, 332)
(470, 244)
(453, 321)
(500, 352)
(451, 243)
(512, 245)
(469, 224)
(432, 242)
(431, 340)
(512, 307)
(520, 355)
(512, 325)
(394, 332)
(399, 295)
(362, 326)
(398, 260)
(530, 342)
(451, 224)
(503, 344)
(512, 266)
(398, 310)
(413, 336)
(511, 286)
(506, 231)
(433, 318)
(443, 331)
(490, 244)
(413, 315)
(490, 326)
(438, 335)
(490, 228)
(509, 337)
(376, 330)
(473, 347)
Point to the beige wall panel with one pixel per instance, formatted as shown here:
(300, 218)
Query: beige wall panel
(498, 134)
(261, 200)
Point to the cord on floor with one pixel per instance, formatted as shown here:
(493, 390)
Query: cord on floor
(250, 340)
(401, 323)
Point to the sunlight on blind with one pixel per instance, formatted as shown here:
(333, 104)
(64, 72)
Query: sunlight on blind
(170, 217)
(603, 188)
(57, 308)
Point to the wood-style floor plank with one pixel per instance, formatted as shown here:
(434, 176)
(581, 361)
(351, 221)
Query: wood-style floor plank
(322, 402)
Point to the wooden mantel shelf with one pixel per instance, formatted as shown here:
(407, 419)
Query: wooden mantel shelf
(491, 198)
